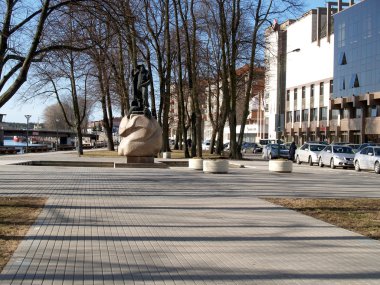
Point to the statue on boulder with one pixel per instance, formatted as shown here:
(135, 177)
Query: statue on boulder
(141, 134)
(141, 81)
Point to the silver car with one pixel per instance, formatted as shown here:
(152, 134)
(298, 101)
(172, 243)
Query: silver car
(336, 155)
(368, 158)
(308, 152)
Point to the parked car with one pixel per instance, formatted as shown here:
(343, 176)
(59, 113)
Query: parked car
(252, 148)
(270, 151)
(340, 143)
(336, 155)
(264, 142)
(308, 152)
(206, 145)
(368, 158)
(354, 147)
(317, 142)
(363, 145)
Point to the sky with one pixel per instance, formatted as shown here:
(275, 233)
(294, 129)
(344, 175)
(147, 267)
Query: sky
(15, 110)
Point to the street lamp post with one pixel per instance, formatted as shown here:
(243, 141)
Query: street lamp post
(1, 130)
(281, 86)
(27, 131)
(56, 127)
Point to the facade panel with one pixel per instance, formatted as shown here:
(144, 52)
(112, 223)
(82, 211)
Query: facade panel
(357, 50)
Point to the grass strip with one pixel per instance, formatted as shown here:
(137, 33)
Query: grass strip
(17, 214)
(359, 215)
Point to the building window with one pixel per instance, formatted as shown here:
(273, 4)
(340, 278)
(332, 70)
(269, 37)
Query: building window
(354, 81)
(287, 95)
(342, 58)
(289, 115)
(331, 86)
(313, 114)
(358, 113)
(341, 34)
(321, 88)
(297, 116)
(374, 111)
(342, 84)
(323, 114)
(346, 114)
(295, 94)
(305, 115)
(303, 92)
(311, 90)
(335, 114)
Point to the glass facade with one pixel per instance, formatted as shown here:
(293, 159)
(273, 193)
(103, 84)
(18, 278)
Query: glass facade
(357, 49)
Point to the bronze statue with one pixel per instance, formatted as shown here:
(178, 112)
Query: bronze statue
(141, 81)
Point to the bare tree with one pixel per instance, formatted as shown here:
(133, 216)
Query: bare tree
(21, 35)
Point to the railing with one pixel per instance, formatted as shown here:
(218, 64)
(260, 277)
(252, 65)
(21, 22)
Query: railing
(355, 124)
(372, 125)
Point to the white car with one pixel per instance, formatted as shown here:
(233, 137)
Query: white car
(336, 155)
(368, 158)
(206, 145)
(308, 152)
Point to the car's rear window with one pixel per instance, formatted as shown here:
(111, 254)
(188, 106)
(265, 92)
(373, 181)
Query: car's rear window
(377, 151)
(342, 149)
(316, 147)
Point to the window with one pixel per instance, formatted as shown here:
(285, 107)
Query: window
(342, 58)
(305, 146)
(328, 148)
(335, 114)
(289, 116)
(311, 90)
(313, 114)
(321, 88)
(305, 115)
(346, 114)
(342, 85)
(295, 94)
(287, 95)
(323, 114)
(354, 81)
(303, 92)
(331, 86)
(358, 113)
(365, 150)
(374, 111)
(297, 116)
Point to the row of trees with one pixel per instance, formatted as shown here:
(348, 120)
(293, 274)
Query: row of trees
(83, 51)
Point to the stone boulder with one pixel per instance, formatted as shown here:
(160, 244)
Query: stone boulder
(141, 136)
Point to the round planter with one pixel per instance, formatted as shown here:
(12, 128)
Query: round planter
(196, 163)
(215, 166)
(166, 155)
(277, 165)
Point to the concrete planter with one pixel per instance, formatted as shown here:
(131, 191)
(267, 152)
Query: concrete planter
(277, 165)
(196, 163)
(166, 155)
(215, 166)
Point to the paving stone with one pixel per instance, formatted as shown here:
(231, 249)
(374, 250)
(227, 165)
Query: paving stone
(179, 226)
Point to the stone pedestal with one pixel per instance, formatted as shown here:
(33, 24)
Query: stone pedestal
(277, 165)
(196, 163)
(215, 166)
(140, 159)
(141, 139)
(166, 154)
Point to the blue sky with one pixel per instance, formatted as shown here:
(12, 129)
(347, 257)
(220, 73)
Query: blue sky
(15, 110)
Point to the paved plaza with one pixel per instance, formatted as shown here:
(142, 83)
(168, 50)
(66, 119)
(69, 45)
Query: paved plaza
(180, 226)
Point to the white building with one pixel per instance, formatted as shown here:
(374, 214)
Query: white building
(300, 71)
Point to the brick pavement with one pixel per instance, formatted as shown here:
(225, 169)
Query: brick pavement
(177, 226)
